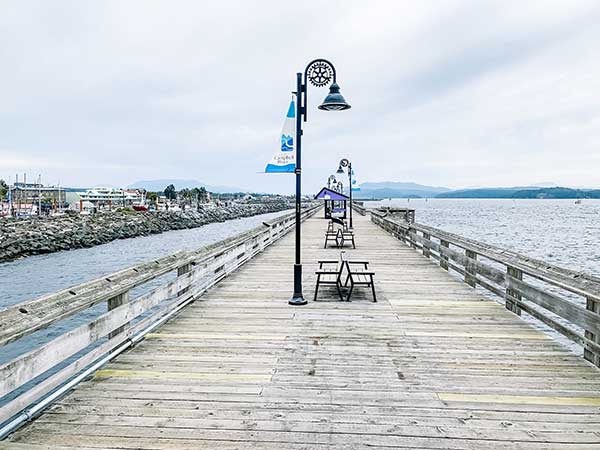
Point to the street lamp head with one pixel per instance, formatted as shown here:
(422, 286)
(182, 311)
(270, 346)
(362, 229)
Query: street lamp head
(340, 169)
(334, 100)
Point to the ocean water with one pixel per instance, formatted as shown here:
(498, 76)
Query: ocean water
(558, 231)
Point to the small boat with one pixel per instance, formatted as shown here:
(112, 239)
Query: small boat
(141, 206)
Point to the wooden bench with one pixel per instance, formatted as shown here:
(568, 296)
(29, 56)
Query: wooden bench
(340, 234)
(345, 236)
(359, 275)
(332, 236)
(330, 275)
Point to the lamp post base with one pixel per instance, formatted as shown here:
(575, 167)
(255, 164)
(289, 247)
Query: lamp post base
(297, 299)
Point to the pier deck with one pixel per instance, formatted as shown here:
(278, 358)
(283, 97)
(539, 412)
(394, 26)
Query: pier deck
(433, 364)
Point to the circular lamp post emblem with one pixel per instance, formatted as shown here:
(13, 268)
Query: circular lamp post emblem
(320, 73)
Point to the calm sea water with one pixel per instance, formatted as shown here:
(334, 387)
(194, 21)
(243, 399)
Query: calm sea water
(558, 231)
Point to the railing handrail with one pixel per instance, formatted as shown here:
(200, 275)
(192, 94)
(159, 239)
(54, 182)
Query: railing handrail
(29, 316)
(359, 208)
(580, 283)
(196, 270)
(509, 284)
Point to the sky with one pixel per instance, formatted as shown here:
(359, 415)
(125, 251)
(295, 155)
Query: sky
(446, 93)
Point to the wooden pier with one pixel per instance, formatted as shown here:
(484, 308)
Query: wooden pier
(434, 364)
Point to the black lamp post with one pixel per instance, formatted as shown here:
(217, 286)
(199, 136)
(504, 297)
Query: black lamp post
(345, 163)
(320, 73)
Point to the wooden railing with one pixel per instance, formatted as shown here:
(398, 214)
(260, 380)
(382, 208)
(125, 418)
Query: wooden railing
(359, 208)
(563, 299)
(196, 272)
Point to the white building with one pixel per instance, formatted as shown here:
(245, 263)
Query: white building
(100, 197)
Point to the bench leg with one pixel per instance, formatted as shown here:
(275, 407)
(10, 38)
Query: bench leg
(317, 286)
(353, 244)
(347, 278)
(339, 290)
(373, 290)
(350, 291)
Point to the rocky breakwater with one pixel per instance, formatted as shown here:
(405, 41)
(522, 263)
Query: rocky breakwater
(32, 236)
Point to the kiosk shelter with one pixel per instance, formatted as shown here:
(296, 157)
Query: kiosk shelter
(335, 203)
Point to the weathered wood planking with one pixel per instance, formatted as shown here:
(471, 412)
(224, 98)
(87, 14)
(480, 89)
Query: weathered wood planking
(508, 283)
(24, 318)
(196, 271)
(433, 365)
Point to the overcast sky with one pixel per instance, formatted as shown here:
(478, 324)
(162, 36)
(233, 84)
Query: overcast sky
(450, 93)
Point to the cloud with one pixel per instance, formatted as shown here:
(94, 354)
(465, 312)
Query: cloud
(450, 93)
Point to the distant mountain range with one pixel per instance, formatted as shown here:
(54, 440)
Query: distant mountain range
(160, 185)
(413, 190)
(523, 192)
(390, 189)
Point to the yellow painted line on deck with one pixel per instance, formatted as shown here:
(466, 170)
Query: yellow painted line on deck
(111, 373)
(519, 399)
(245, 337)
(532, 336)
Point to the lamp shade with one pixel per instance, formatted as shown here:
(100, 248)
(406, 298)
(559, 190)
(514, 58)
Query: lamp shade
(340, 169)
(334, 100)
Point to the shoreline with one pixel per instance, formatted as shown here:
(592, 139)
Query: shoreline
(20, 238)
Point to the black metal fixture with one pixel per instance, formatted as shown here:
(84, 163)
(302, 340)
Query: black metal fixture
(346, 163)
(331, 181)
(319, 73)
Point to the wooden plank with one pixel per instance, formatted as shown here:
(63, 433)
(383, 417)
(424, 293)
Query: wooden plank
(583, 284)
(428, 366)
(25, 318)
(591, 350)
(572, 312)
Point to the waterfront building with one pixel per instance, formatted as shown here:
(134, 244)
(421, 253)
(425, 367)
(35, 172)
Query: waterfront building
(106, 197)
(33, 198)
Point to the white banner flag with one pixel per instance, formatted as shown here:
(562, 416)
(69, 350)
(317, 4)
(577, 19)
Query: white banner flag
(284, 161)
(355, 185)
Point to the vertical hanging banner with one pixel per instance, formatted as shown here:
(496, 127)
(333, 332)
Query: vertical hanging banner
(355, 185)
(284, 161)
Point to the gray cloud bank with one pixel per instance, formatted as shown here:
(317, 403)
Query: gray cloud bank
(454, 93)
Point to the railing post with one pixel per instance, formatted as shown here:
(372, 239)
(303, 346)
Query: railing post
(470, 274)
(113, 303)
(590, 353)
(444, 258)
(182, 271)
(426, 237)
(413, 243)
(509, 304)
